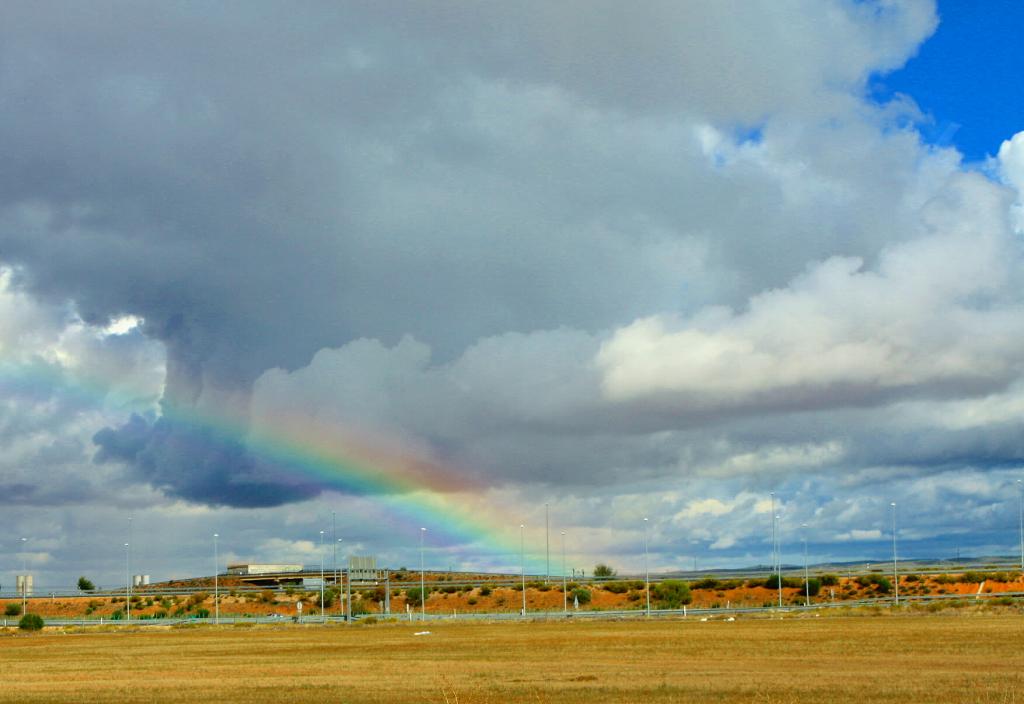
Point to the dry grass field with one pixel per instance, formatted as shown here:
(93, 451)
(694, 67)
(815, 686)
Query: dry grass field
(959, 656)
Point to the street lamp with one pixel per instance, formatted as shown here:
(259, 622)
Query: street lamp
(216, 580)
(423, 588)
(1020, 510)
(778, 558)
(547, 546)
(334, 545)
(24, 577)
(322, 617)
(895, 571)
(565, 596)
(807, 582)
(127, 583)
(337, 576)
(522, 565)
(128, 547)
(771, 496)
(647, 572)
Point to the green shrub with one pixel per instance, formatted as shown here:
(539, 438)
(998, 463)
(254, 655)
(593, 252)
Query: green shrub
(910, 578)
(603, 571)
(616, 587)
(117, 615)
(471, 601)
(973, 577)
(1004, 601)
(202, 613)
(359, 608)
(12, 609)
(828, 580)
(31, 622)
(581, 595)
(813, 587)
(882, 585)
(534, 585)
(544, 588)
(85, 585)
(267, 596)
(414, 596)
(485, 590)
(198, 598)
(789, 582)
(449, 589)
(671, 594)
(162, 613)
(705, 583)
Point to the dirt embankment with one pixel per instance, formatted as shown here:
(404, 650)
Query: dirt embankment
(614, 594)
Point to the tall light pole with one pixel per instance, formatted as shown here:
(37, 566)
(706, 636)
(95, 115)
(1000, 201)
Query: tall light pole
(128, 546)
(807, 582)
(1020, 511)
(547, 546)
(127, 583)
(647, 572)
(334, 545)
(322, 616)
(565, 596)
(24, 576)
(337, 576)
(895, 571)
(778, 557)
(771, 495)
(216, 580)
(423, 582)
(522, 564)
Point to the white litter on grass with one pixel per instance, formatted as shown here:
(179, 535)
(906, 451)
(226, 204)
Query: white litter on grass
(730, 619)
(704, 619)
(422, 633)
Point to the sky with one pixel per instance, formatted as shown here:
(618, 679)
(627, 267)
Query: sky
(302, 274)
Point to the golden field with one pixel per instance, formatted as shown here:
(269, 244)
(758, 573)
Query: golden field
(962, 655)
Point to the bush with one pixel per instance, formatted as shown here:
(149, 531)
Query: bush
(202, 613)
(544, 588)
(581, 595)
(672, 593)
(974, 577)
(617, 587)
(449, 589)
(882, 585)
(85, 585)
(30, 622)
(485, 590)
(359, 608)
(706, 583)
(12, 609)
(414, 596)
(787, 582)
(198, 598)
(117, 615)
(912, 578)
(813, 586)
(267, 596)
(828, 580)
(471, 601)
(603, 571)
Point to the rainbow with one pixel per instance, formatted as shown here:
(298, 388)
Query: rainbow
(397, 485)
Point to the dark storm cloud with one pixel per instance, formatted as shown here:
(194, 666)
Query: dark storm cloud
(260, 182)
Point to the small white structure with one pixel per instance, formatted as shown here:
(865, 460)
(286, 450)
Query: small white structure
(23, 583)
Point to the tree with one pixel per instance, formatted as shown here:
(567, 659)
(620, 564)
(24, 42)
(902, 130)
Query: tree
(811, 587)
(603, 571)
(85, 585)
(672, 593)
(414, 596)
(30, 622)
(12, 609)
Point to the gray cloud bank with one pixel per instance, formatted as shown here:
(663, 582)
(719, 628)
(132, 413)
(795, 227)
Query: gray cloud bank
(573, 243)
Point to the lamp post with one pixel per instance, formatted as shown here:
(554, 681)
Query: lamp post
(522, 564)
(771, 496)
(647, 571)
(334, 546)
(1020, 511)
(565, 596)
(128, 547)
(322, 616)
(807, 582)
(337, 576)
(24, 577)
(547, 546)
(423, 582)
(778, 557)
(216, 580)
(895, 571)
(127, 583)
